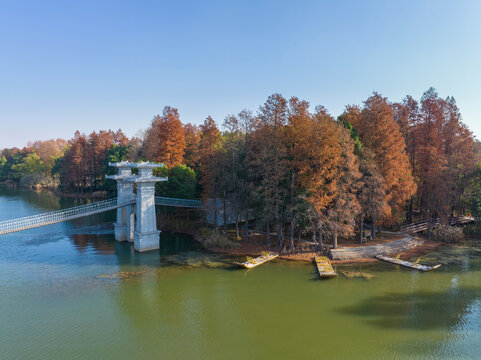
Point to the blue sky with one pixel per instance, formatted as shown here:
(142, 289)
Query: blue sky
(91, 65)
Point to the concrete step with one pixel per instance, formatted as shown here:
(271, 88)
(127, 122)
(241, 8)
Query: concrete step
(370, 251)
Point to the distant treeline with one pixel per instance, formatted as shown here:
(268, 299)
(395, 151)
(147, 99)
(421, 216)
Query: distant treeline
(302, 172)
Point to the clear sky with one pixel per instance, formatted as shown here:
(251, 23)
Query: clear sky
(91, 65)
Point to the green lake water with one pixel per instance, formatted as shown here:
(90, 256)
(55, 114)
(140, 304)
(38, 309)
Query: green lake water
(59, 300)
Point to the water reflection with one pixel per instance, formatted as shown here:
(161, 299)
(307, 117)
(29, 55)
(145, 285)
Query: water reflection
(40, 199)
(418, 309)
(100, 244)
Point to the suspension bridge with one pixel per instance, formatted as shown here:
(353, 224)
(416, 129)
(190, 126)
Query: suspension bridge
(136, 221)
(53, 217)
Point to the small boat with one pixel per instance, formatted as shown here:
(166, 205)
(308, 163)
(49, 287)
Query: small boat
(253, 262)
(407, 263)
(324, 267)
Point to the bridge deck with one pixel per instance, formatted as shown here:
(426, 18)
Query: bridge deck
(53, 217)
(166, 201)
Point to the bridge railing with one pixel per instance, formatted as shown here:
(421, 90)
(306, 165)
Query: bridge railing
(424, 225)
(419, 226)
(55, 216)
(166, 201)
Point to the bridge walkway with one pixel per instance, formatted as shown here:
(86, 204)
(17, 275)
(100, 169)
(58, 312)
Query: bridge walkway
(166, 201)
(53, 217)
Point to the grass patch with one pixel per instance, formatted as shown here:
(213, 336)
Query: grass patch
(216, 239)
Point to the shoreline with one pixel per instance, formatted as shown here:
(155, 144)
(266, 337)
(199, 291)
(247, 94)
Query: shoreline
(254, 249)
(307, 257)
(56, 191)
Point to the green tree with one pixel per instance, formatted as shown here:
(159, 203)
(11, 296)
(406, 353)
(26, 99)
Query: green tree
(182, 182)
(31, 164)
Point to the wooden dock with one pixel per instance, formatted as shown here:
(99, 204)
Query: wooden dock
(407, 263)
(324, 267)
(252, 263)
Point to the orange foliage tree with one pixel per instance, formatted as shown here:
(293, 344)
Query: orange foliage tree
(165, 139)
(441, 151)
(379, 132)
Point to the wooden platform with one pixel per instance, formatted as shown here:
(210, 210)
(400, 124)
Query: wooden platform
(324, 267)
(407, 263)
(252, 263)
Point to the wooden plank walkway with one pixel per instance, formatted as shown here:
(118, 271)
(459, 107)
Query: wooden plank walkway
(407, 263)
(324, 267)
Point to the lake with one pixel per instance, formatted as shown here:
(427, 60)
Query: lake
(62, 297)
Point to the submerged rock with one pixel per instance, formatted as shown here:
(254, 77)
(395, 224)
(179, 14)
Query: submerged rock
(449, 255)
(122, 275)
(357, 274)
(197, 259)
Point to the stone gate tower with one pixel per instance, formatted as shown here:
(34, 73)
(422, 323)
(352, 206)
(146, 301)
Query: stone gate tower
(146, 235)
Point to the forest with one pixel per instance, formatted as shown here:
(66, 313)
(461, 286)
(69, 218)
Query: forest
(295, 169)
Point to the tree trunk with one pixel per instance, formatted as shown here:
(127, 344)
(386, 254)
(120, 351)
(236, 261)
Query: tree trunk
(410, 212)
(361, 229)
(237, 235)
(225, 214)
(430, 225)
(215, 209)
(373, 229)
(319, 243)
(292, 212)
(268, 232)
(276, 216)
(246, 236)
(335, 237)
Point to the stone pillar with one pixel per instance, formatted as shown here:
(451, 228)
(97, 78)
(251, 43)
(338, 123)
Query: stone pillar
(130, 223)
(125, 193)
(146, 235)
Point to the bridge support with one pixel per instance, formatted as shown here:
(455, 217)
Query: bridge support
(125, 192)
(137, 222)
(146, 235)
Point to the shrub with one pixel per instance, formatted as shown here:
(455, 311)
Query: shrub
(215, 239)
(473, 229)
(447, 234)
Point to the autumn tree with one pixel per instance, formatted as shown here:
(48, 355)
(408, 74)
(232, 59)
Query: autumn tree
(441, 151)
(272, 161)
(192, 139)
(84, 164)
(48, 150)
(297, 141)
(208, 155)
(165, 139)
(234, 167)
(345, 207)
(319, 170)
(380, 133)
(372, 191)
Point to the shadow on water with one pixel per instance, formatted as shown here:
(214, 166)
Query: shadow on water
(421, 310)
(172, 243)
